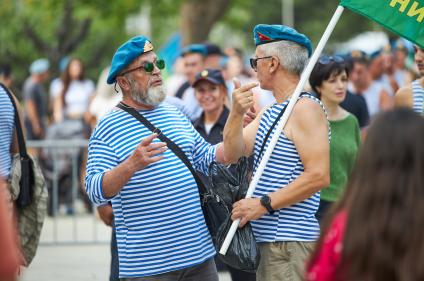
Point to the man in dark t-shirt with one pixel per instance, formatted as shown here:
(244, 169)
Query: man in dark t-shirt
(35, 99)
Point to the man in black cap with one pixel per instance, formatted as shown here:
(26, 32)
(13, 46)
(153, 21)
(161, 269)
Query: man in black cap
(159, 223)
(283, 206)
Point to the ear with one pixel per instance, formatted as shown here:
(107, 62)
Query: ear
(123, 83)
(275, 64)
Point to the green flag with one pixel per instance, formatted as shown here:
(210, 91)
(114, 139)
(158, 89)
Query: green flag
(404, 17)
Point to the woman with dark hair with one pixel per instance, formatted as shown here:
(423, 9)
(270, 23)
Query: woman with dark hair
(329, 81)
(73, 100)
(376, 231)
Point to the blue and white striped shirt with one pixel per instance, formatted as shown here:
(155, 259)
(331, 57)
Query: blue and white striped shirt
(418, 97)
(6, 133)
(159, 222)
(296, 222)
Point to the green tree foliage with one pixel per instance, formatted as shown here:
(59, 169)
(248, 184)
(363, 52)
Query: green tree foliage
(39, 28)
(92, 29)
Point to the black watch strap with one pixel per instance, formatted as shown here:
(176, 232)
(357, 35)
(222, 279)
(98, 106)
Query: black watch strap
(266, 202)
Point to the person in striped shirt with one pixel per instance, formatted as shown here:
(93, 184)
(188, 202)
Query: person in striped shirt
(282, 209)
(6, 133)
(160, 228)
(412, 95)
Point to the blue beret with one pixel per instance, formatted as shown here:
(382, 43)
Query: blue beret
(194, 48)
(39, 66)
(265, 33)
(126, 54)
(359, 55)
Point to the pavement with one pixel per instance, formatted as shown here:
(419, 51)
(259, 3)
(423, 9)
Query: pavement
(74, 248)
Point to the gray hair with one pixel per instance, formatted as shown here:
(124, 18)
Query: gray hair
(292, 56)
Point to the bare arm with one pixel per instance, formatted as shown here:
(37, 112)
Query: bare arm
(58, 109)
(307, 127)
(309, 132)
(386, 101)
(234, 142)
(403, 97)
(33, 117)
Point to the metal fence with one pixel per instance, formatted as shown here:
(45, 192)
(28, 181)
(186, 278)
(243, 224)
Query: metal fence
(71, 218)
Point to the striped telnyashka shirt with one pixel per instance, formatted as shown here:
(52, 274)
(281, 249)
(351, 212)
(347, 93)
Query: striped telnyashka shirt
(296, 222)
(6, 133)
(418, 97)
(159, 222)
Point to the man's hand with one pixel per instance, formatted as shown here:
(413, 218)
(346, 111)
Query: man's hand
(249, 117)
(147, 153)
(242, 97)
(247, 210)
(106, 214)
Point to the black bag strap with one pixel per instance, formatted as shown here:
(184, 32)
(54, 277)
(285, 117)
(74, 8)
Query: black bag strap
(181, 90)
(17, 120)
(272, 128)
(174, 147)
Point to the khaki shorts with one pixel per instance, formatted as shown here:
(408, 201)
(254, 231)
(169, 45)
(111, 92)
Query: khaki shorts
(283, 261)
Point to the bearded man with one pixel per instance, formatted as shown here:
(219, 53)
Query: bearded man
(160, 228)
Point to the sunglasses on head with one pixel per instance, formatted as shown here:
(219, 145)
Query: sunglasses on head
(254, 62)
(148, 66)
(328, 59)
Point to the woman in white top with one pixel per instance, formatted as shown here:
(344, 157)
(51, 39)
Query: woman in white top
(73, 100)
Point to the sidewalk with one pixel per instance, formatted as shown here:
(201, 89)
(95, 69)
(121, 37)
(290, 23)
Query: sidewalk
(85, 260)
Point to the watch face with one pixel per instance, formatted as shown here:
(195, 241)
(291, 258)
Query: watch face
(265, 199)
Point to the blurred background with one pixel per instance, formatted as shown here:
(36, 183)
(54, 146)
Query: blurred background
(92, 29)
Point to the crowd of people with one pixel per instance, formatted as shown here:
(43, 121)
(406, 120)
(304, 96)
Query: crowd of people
(347, 170)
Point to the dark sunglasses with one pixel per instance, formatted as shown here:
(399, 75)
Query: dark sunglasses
(254, 62)
(148, 66)
(328, 59)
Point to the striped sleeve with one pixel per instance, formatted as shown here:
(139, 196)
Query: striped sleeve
(6, 133)
(101, 158)
(203, 153)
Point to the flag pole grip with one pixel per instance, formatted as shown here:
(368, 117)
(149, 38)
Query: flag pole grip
(303, 79)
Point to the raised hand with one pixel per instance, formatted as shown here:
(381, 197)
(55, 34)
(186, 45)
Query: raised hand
(249, 117)
(242, 96)
(147, 153)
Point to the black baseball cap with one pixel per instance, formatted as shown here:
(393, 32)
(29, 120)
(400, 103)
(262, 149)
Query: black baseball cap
(212, 75)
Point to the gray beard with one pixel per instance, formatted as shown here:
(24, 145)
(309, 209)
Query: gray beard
(153, 97)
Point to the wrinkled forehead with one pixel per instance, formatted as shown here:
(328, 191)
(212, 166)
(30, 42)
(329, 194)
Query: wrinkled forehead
(145, 57)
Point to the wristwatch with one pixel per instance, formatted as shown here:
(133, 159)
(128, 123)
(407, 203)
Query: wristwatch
(266, 202)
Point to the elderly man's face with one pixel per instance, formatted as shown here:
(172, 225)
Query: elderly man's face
(262, 69)
(146, 87)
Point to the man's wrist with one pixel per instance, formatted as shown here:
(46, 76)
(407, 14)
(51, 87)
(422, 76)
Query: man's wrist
(130, 166)
(266, 202)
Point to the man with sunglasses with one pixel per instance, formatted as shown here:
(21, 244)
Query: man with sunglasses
(160, 228)
(412, 95)
(283, 206)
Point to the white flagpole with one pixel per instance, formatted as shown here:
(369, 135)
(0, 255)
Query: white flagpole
(303, 78)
